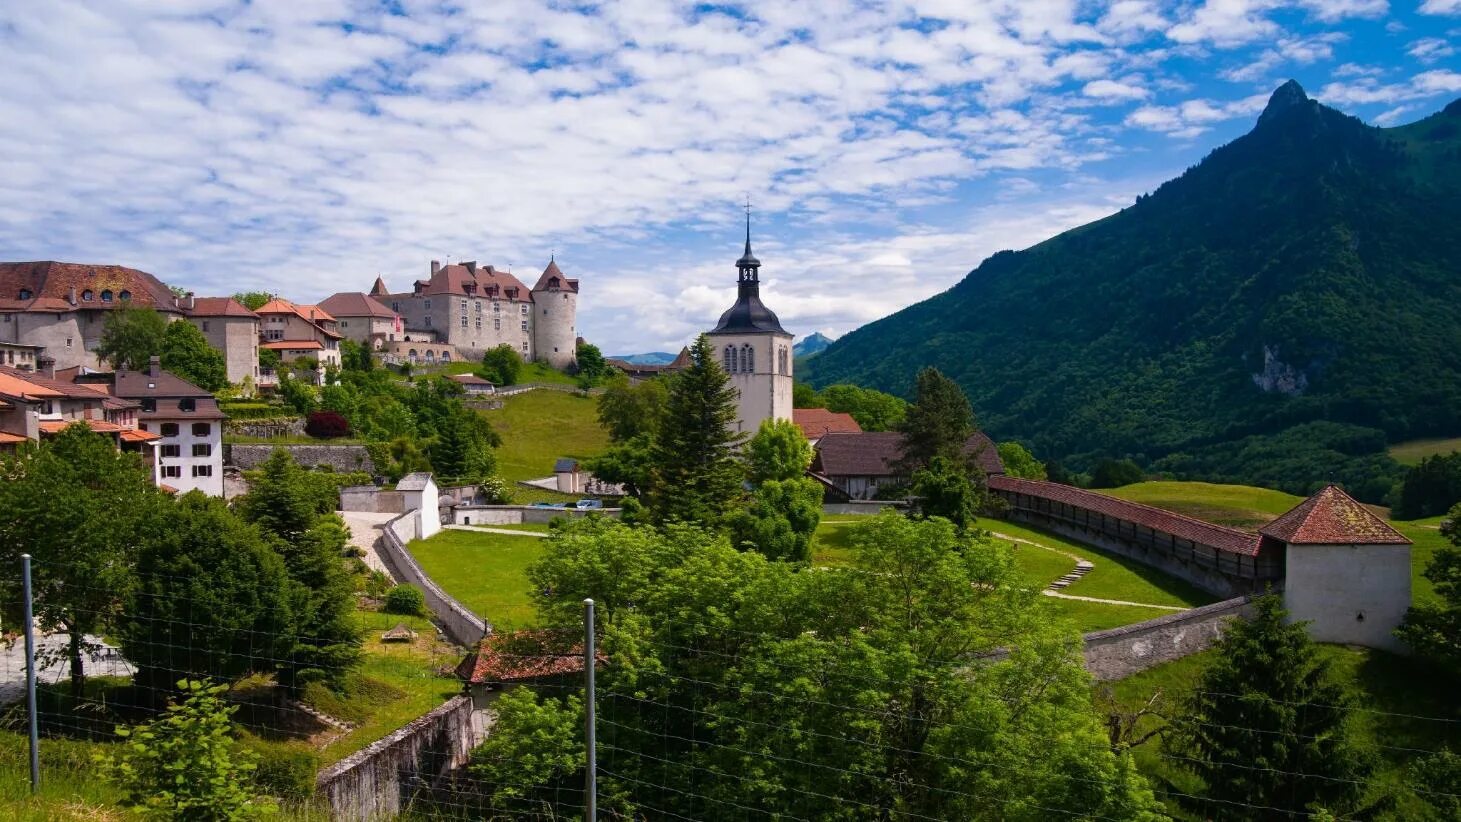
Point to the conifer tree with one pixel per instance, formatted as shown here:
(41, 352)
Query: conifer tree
(1266, 724)
(937, 424)
(696, 475)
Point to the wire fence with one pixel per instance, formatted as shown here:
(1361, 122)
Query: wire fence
(669, 741)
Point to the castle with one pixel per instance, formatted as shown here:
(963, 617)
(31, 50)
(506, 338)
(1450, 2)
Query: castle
(754, 349)
(473, 309)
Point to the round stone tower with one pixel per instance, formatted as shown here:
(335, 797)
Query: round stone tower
(555, 318)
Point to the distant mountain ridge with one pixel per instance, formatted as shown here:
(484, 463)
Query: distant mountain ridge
(814, 343)
(1306, 273)
(651, 358)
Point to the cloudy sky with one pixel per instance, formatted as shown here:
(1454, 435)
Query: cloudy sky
(305, 146)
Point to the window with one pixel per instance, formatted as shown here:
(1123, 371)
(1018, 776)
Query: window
(143, 426)
(748, 359)
(48, 408)
(545, 312)
(172, 471)
(728, 359)
(396, 306)
(479, 305)
(430, 356)
(496, 307)
(781, 361)
(202, 470)
(149, 404)
(525, 348)
(87, 296)
(6, 317)
(273, 334)
(525, 325)
(25, 293)
(428, 320)
(169, 429)
(202, 429)
(187, 404)
(428, 305)
(496, 323)
(68, 342)
(173, 450)
(106, 295)
(205, 326)
(479, 323)
(446, 356)
(464, 321)
(202, 449)
(525, 309)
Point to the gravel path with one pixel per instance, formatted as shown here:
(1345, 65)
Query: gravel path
(365, 533)
(1079, 562)
(105, 662)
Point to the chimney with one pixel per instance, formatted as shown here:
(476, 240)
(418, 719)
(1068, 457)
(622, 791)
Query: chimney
(435, 267)
(471, 266)
(189, 301)
(71, 295)
(154, 366)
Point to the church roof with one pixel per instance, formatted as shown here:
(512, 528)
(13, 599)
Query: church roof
(1332, 517)
(749, 314)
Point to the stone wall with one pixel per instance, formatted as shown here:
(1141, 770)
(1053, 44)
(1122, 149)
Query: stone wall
(275, 427)
(464, 627)
(377, 781)
(342, 458)
(862, 506)
(1120, 652)
(370, 499)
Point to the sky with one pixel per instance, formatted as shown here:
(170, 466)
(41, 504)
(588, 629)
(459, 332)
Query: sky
(304, 147)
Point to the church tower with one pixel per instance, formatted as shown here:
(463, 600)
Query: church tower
(754, 349)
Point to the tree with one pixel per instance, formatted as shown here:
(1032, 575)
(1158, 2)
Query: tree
(591, 361)
(804, 396)
(253, 300)
(1115, 473)
(696, 477)
(781, 519)
(131, 336)
(534, 749)
(629, 463)
(186, 353)
(501, 365)
(943, 489)
(1019, 462)
(185, 765)
(937, 424)
(1430, 488)
(873, 409)
(627, 410)
(1433, 629)
(298, 394)
(355, 357)
(269, 360)
(209, 602)
(1265, 724)
(80, 508)
(778, 451)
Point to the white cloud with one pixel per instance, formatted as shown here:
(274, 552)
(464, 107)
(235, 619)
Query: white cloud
(1369, 90)
(1430, 49)
(1441, 7)
(1299, 50)
(1193, 117)
(1112, 90)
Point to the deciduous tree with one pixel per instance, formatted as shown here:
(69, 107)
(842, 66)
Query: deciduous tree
(252, 300)
(943, 489)
(131, 336)
(1433, 629)
(590, 360)
(874, 410)
(186, 353)
(501, 365)
(1019, 462)
(780, 520)
(627, 410)
(778, 451)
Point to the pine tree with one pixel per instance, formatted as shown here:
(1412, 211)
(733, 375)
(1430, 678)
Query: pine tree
(696, 474)
(1266, 724)
(937, 424)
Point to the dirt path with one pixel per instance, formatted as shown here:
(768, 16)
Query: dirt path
(1058, 595)
(1082, 567)
(486, 529)
(365, 532)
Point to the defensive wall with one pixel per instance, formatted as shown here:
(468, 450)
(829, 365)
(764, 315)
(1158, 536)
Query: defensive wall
(457, 620)
(342, 458)
(1223, 561)
(1120, 652)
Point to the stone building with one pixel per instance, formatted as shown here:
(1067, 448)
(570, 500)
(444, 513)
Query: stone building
(230, 328)
(754, 349)
(22, 356)
(474, 308)
(363, 318)
(62, 307)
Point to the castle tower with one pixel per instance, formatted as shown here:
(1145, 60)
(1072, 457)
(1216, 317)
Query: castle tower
(555, 306)
(754, 349)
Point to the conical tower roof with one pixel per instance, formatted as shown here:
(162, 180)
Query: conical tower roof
(1332, 517)
(379, 289)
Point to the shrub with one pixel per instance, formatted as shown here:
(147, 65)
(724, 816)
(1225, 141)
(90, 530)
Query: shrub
(405, 599)
(377, 583)
(495, 491)
(326, 425)
(284, 771)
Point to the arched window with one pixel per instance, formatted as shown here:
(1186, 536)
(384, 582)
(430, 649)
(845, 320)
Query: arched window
(446, 356)
(125, 295)
(411, 355)
(730, 359)
(748, 359)
(430, 356)
(781, 361)
(86, 295)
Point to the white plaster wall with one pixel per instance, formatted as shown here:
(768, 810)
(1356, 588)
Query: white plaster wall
(1332, 586)
(763, 393)
(185, 440)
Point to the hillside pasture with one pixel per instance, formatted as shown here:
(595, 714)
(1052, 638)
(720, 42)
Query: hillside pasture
(538, 427)
(1412, 452)
(1236, 506)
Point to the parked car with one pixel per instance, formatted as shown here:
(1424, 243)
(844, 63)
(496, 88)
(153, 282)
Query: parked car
(550, 505)
(588, 504)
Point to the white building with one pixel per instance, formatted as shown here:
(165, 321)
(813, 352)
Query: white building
(420, 493)
(188, 422)
(754, 349)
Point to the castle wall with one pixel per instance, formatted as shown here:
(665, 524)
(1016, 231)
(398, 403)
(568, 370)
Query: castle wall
(555, 335)
(1351, 594)
(69, 338)
(470, 324)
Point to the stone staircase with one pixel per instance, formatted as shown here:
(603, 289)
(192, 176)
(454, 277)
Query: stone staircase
(1082, 568)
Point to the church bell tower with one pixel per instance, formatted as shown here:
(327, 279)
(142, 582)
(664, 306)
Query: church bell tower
(754, 349)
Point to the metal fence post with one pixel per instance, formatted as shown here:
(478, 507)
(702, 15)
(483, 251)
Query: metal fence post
(590, 775)
(30, 678)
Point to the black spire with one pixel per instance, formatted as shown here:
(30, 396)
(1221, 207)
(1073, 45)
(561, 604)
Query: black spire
(749, 313)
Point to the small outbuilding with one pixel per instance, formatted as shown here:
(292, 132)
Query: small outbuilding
(516, 657)
(419, 493)
(474, 385)
(568, 475)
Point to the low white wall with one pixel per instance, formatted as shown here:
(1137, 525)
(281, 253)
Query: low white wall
(464, 627)
(487, 515)
(1350, 594)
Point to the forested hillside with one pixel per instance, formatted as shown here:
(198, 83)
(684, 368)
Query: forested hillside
(1286, 306)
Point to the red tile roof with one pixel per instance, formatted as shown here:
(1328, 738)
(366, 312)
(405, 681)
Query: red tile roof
(458, 280)
(355, 304)
(1332, 517)
(552, 274)
(100, 427)
(220, 307)
(523, 655)
(138, 435)
(1195, 530)
(468, 379)
(874, 453)
(19, 385)
(10, 439)
(293, 345)
(818, 422)
(51, 285)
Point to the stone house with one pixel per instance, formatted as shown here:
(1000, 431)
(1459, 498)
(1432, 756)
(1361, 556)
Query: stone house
(857, 464)
(474, 308)
(232, 329)
(22, 356)
(363, 318)
(188, 423)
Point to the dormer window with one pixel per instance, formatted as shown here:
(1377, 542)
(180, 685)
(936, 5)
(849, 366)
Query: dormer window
(187, 404)
(87, 296)
(124, 296)
(25, 294)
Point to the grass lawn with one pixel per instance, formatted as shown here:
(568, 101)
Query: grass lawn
(1237, 506)
(1426, 534)
(1410, 453)
(1380, 684)
(70, 789)
(538, 427)
(485, 572)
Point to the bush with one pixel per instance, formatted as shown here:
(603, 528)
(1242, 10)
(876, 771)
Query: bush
(254, 410)
(405, 599)
(284, 771)
(495, 491)
(377, 583)
(326, 425)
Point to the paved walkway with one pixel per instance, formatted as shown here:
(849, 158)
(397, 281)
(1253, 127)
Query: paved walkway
(365, 533)
(487, 529)
(107, 661)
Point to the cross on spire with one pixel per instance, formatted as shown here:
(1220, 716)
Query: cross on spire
(747, 265)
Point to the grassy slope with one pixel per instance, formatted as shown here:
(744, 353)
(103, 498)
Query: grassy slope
(484, 571)
(1410, 453)
(538, 427)
(1380, 683)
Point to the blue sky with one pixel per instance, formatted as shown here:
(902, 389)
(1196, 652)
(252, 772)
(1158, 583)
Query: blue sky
(303, 147)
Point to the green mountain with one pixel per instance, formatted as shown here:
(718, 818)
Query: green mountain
(1282, 308)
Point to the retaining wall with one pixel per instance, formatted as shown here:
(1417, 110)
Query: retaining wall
(862, 506)
(275, 427)
(518, 514)
(342, 458)
(377, 781)
(371, 499)
(1120, 652)
(464, 627)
